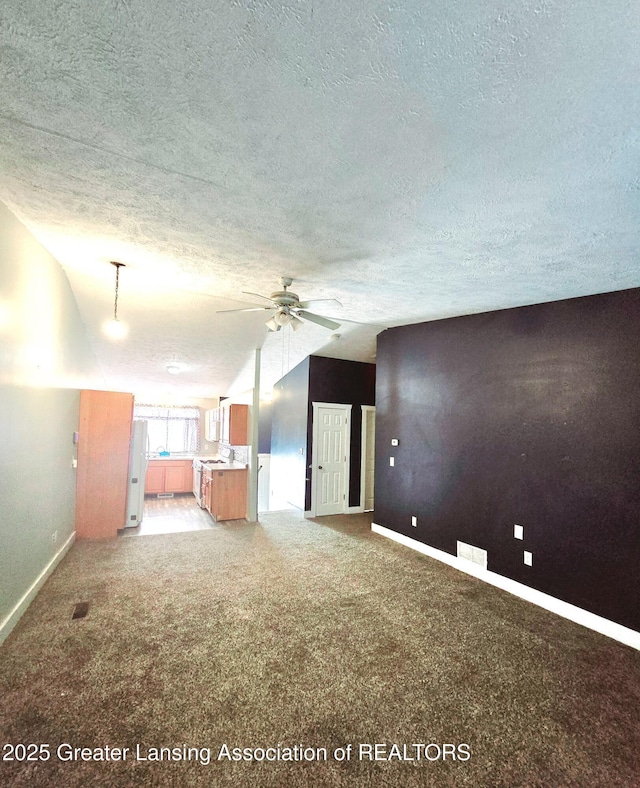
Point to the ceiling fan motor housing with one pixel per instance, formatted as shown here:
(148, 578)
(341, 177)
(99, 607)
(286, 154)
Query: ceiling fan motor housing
(284, 298)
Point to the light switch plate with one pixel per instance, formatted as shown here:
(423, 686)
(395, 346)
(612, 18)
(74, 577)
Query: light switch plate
(528, 558)
(518, 531)
(392, 461)
(414, 521)
(394, 441)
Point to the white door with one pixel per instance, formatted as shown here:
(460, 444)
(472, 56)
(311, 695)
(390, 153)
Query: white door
(330, 450)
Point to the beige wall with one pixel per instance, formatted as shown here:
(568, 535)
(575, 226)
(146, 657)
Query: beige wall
(45, 358)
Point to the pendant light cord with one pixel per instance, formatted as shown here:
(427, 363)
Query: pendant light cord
(115, 303)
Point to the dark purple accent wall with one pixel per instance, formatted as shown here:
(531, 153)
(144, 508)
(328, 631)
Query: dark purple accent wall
(527, 416)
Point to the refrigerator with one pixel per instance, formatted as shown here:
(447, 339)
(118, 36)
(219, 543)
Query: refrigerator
(138, 460)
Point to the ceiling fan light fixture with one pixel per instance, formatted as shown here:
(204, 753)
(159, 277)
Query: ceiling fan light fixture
(295, 322)
(272, 325)
(282, 317)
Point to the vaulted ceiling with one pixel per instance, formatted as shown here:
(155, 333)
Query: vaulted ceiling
(415, 160)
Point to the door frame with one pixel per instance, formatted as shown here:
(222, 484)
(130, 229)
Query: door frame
(347, 409)
(363, 459)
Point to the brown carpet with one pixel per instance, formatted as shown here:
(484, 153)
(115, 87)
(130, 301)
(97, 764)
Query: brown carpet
(306, 634)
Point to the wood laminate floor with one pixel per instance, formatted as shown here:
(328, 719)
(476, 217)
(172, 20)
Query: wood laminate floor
(171, 515)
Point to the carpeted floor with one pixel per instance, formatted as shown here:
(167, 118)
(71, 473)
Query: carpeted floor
(297, 634)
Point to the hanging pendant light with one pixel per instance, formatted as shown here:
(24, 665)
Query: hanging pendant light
(114, 328)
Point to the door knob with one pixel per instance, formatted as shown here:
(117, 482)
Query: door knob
(319, 467)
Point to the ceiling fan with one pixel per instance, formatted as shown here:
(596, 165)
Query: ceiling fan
(289, 309)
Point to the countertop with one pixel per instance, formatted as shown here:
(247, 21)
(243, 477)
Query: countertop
(185, 457)
(221, 466)
(175, 457)
(225, 466)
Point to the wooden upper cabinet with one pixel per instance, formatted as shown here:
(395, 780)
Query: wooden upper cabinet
(104, 427)
(235, 425)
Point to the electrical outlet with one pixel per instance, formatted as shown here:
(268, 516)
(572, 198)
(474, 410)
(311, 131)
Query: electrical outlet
(414, 521)
(74, 462)
(392, 461)
(518, 532)
(528, 558)
(54, 537)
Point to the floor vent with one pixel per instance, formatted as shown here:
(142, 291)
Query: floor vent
(80, 610)
(165, 495)
(474, 554)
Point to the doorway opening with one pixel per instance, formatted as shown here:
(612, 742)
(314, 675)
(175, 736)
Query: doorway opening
(368, 457)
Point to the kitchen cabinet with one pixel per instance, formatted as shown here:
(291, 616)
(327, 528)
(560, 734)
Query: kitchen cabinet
(178, 477)
(235, 425)
(169, 476)
(225, 493)
(154, 481)
(212, 424)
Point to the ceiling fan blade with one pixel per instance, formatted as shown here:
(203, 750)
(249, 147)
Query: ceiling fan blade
(257, 295)
(360, 323)
(311, 302)
(321, 321)
(248, 309)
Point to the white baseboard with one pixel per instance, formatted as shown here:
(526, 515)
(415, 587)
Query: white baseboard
(349, 510)
(14, 616)
(576, 614)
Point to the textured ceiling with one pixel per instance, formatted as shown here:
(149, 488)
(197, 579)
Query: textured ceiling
(414, 159)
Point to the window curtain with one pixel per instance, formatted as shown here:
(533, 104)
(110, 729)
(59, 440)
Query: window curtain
(174, 428)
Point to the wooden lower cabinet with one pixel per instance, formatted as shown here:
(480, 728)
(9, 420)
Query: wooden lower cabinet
(154, 480)
(169, 476)
(178, 478)
(225, 493)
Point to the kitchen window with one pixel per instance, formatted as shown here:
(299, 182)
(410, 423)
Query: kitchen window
(174, 428)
